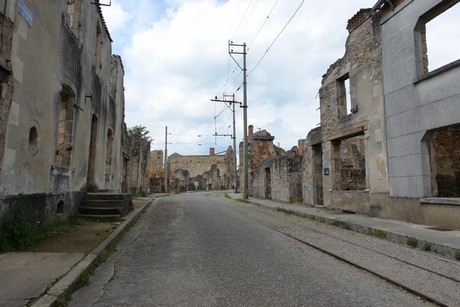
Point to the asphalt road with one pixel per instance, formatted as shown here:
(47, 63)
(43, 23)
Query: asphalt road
(201, 249)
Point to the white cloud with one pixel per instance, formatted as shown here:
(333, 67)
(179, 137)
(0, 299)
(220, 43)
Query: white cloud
(176, 59)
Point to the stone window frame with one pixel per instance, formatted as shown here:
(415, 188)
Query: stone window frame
(109, 153)
(345, 103)
(73, 16)
(99, 47)
(421, 48)
(65, 122)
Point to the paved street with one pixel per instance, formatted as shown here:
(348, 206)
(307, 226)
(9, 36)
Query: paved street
(200, 249)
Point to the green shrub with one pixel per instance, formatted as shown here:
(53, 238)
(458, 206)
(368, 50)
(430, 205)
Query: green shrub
(379, 233)
(427, 246)
(457, 255)
(411, 241)
(17, 232)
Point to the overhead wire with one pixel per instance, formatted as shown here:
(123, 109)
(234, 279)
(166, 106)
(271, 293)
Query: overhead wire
(241, 26)
(263, 24)
(277, 36)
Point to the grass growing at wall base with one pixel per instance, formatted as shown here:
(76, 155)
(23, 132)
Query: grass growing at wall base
(19, 234)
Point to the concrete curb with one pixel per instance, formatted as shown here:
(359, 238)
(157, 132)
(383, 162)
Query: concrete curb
(68, 282)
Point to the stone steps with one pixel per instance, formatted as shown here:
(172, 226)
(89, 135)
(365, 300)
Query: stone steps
(110, 205)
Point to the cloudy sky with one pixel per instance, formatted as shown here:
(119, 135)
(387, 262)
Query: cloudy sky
(175, 54)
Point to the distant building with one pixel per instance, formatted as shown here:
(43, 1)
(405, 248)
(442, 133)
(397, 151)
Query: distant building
(272, 172)
(61, 108)
(156, 171)
(201, 172)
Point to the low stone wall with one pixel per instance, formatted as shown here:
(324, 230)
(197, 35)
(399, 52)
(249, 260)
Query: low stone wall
(40, 209)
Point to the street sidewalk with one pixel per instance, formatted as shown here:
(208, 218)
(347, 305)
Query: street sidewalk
(444, 242)
(28, 275)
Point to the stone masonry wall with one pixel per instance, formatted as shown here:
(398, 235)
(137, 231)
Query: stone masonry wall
(209, 171)
(352, 128)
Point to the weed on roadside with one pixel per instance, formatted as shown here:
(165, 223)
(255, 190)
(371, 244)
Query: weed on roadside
(427, 246)
(411, 241)
(284, 210)
(242, 200)
(379, 234)
(19, 234)
(457, 255)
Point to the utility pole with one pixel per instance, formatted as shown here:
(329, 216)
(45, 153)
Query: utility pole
(166, 160)
(232, 102)
(242, 50)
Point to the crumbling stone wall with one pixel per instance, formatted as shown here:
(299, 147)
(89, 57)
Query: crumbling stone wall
(353, 166)
(209, 171)
(156, 171)
(260, 148)
(138, 164)
(352, 128)
(445, 161)
(273, 173)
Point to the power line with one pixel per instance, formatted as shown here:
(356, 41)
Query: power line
(263, 24)
(276, 38)
(245, 18)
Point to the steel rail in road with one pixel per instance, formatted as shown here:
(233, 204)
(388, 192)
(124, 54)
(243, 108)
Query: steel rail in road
(441, 299)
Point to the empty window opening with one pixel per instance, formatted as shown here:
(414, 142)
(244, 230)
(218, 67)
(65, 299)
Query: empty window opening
(344, 101)
(92, 152)
(108, 158)
(351, 162)
(60, 207)
(318, 174)
(34, 141)
(444, 149)
(65, 127)
(268, 183)
(438, 43)
(99, 45)
(73, 16)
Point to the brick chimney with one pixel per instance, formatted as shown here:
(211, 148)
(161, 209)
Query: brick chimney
(251, 131)
(300, 147)
(211, 151)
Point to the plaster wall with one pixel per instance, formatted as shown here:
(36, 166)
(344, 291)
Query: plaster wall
(50, 60)
(415, 102)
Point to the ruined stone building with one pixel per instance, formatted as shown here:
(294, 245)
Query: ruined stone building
(345, 163)
(388, 144)
(201, 172)
(138, 174)
(156, 171)
(422, 113)
(272, 172)
(61, 107)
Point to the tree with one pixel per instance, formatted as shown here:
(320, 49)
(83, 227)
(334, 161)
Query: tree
(140, 131)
